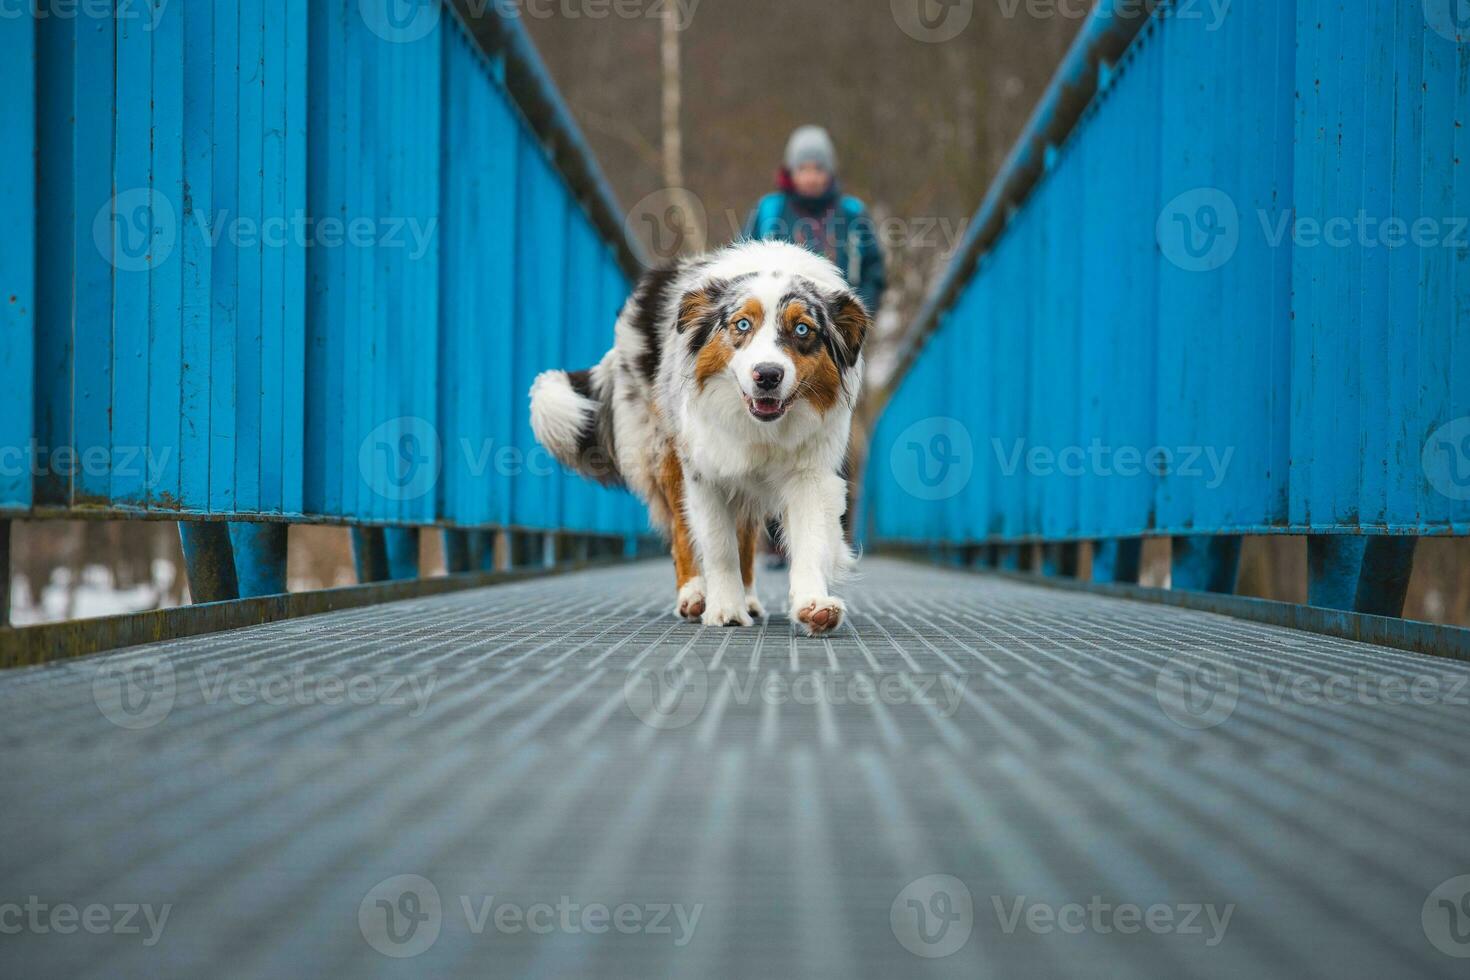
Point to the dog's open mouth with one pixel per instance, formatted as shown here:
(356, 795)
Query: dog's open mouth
(766, 409)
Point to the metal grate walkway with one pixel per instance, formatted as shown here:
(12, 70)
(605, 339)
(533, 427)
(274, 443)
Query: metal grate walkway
(556, 779)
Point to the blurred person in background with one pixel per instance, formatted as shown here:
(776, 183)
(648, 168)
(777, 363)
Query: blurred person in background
(809, 209)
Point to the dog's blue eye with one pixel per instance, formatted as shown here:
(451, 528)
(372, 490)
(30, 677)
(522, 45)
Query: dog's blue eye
(802, 329)
(743, 326)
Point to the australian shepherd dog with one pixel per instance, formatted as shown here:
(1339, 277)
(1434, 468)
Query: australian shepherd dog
(727, 399)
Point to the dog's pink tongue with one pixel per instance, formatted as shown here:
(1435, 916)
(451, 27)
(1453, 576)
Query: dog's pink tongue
(768, 406)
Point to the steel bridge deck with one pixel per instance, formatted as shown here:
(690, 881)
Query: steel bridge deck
(271, 785)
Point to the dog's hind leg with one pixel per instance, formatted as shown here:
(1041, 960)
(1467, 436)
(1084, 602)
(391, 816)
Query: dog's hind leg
(750, 533)
(690, 603)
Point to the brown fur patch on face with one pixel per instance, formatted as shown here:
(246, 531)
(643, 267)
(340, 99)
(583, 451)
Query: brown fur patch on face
(694, 307)
(751, 310)
(714, 357)
(817, 377)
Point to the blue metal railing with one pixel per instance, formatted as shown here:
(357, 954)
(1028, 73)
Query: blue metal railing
(295, 262)
(1162, 324)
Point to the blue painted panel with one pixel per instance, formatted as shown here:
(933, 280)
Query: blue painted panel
(236, 302)
(479, 227)
(196, 255)
(56, 262)
(161, 463)
(540, 322)
(91, 248)
(1225, 293)
(17, 256)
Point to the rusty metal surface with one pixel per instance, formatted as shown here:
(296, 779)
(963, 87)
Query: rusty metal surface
(1063, 784)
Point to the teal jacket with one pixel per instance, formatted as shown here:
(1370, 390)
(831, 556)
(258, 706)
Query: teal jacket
(838, 228)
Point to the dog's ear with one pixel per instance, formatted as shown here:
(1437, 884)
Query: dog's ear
(697, 306)
(851, 322)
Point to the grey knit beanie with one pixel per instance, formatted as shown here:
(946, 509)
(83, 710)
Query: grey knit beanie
(811, 144)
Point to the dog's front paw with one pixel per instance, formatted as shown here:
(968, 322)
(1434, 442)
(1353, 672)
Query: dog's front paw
(818, 616)
(727, 612)
(754, 607)
(691, 600)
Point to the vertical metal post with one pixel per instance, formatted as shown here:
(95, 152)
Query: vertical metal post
(1206, 563)
(502, 556)
(260, 558)
(548, 550)
(458, 550)
(1118, 560)
(5, 573)
(1334, 564)
(1060, 560)
(403, 553)
(482, 551)
(370, 554)
(209, 560)
(1383, 585)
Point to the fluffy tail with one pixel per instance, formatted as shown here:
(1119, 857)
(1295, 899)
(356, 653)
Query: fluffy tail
(571, 413)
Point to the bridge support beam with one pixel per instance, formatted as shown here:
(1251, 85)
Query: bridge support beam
(1017, 558)
(5, 573)
(1118, 561)
(1206, 563)
(403, 553)
(1360, 574)
(370, 554)
(1060, 560)
(458, 548)
(482, 551)
(260, 558)
(209, 560)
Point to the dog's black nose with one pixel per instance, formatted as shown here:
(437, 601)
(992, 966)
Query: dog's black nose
(768, 376)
